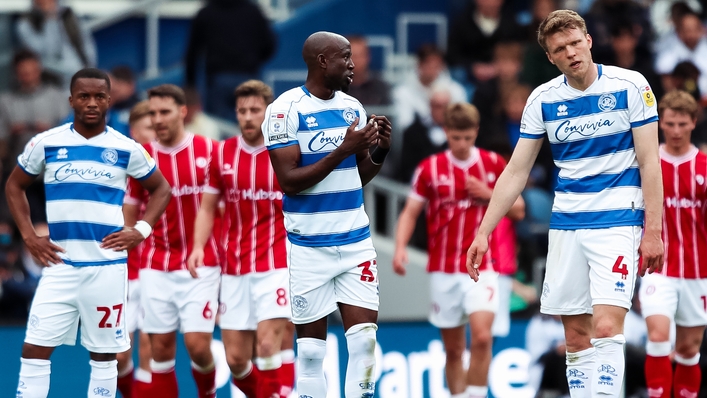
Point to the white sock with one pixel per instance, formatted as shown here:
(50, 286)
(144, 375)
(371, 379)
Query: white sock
(310, 372)
(580, 368)
(288, 356)
(361, 369)
(104, 379)
(34, 378)
(460, 395)
(476, 391)
(610, 363)
(269, 363)
(203, 370)
(143, 376)
(162, 367)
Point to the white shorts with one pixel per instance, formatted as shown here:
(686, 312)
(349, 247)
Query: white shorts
(248, 299)
(456, 296)
(588, 267)
(134, 314)
(682, 300)
(176, 301)
(95, 295)
(321, 277)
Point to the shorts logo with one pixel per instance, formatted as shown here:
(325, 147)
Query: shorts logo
(606, 380)
(102, 392)
(620, 287)
(608, 369)
(607, 102)
(576, 384)
(576, 373)
(546, 290)
(119, 334)
(349, 115)
(650, 289)
(299, 304)
(33, 321)
(222, 308)
(109, 156)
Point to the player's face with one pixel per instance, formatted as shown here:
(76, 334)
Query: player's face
(250, 112)
(141, 130)
(677, 128)
(167, 118)
(90, 100)
(570, 51)
(461, 141)
(340, 66)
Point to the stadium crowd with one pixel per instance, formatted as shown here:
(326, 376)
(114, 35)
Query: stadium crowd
(492, 61)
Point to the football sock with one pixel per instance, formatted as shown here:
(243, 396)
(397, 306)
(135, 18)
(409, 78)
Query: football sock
(287, 373)
(580, 368)
(205, 379)
(142, 383)
(477, 391)
(269, 386)
(34, 378)
(688, 377)
(104, 378)
(247, 381)
(610, 363)
(361, 369)
(164, 379)
(310, 377)
(658, 369)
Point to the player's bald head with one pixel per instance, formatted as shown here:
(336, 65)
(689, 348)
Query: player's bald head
(321, 43)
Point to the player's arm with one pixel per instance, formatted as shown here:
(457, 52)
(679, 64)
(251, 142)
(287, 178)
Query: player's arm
(40, 247)
(509, 186)
(645, 139)
(203, 227)
(406, 225)
(294, 179)
(370, 161)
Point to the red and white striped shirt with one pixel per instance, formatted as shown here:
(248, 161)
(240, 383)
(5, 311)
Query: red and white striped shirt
(185, 167)
(453, 217)
(685, 198)
(253, 223)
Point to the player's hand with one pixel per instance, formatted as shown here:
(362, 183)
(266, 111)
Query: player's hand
(476, 253)
(125, 239)
(195, 260)
(478, 189)
(356, 141)
(400, 259)
(651, 252)
(44, 250)
(385, 131)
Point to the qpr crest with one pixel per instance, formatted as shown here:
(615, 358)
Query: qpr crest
(349, 115)
(607, 102)
(110, 156)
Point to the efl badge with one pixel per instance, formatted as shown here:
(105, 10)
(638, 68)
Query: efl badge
(277, 126)
(648, 96)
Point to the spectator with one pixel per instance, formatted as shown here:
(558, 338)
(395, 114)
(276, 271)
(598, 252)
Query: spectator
(474, 34)
(604, 14)
(54, 32)
(30, 108)
(413, 96)
(196, 120)
(140, 123)
(692, 46)
(235, 39)
(537, 69)
(665, 15)
(368, 88)
(123, 95)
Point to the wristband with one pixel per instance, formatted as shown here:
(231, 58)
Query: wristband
(143, 228)
(378, 155)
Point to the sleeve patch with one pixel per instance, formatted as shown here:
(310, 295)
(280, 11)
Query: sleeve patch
(276, 128)
(648, 96)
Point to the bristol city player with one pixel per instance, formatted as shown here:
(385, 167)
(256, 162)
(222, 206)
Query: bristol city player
(171, 297)
(255, 282)
(455, 187)
(679, 292)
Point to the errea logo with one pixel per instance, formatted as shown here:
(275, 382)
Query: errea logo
(62, 153)
(562, 110)
(311, 121)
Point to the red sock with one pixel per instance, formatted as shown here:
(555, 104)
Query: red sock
(164, 383)
(249, 384)
(142, 383)
(205, 382)
(687, 378)
(269, 384)
(287, 379)
(659, 376)
(125, 385)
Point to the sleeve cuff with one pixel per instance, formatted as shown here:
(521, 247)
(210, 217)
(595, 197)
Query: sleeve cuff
(532, 136)
(644, 122)
(149, 173)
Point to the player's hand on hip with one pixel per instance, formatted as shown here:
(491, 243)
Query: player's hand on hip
(356, 141)
(385, 131)
(44, 250)
(125, 239)
(475, 254)
(478, 189)
(651, 252)
(400, 259)
(195, 260)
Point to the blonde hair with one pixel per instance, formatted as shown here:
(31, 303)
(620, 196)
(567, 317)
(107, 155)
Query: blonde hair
(461, 116)
(679, 101)
(559, 21)
(138, 111)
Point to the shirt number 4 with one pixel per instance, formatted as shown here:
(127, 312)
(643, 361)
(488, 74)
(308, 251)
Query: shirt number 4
(620, 268)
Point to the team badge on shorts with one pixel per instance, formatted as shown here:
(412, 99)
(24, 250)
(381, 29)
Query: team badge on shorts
(299, 304)
(607, 102)
(33, 321)
(349, 115)
(110, 156)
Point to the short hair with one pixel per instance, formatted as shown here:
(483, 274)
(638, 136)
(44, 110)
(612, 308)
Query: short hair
(461, 116)
(123, 73)
(138, 111)
(558, 21)
(428, 50)
(23, 55)
(255, 88)
(679, 101)
(687, 14)
(89, 73)
(168, 91)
